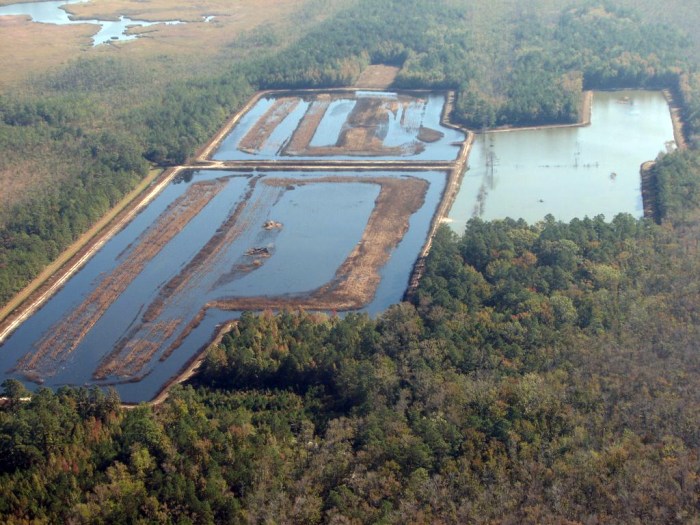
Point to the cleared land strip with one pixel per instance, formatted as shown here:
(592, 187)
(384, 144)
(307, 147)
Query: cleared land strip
(356, 281)
(63, 338)
(304, 133)
(258, 135)
(377, 77)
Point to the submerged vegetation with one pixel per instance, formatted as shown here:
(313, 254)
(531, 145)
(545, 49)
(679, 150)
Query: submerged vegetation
(544, 373)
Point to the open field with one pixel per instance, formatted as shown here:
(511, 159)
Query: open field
(37, 49)
(377, 77)
(32, 49)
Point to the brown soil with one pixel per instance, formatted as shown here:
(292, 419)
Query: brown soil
(307, 127)
(361, 134)
(65, 337)
(257, 136)
(678, 133)
(356, 281)
(429, 135)
(377, 76)
(194, 323)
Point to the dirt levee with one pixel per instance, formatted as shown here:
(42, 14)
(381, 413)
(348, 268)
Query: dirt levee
(362, 134)
(63, 338)
(236, 223)
(257, 136)
(307, 127)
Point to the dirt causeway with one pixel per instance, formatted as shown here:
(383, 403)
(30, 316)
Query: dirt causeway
(257, 136)
(362, 134)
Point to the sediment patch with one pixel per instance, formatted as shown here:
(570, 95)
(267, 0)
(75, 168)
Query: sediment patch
(306, 129)
(258, 135)
(131, 355)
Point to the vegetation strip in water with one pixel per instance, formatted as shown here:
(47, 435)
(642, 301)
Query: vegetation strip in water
(61, 340)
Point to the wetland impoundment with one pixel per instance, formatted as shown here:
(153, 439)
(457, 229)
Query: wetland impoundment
(567, 171)
(343, 125)
(151, 298)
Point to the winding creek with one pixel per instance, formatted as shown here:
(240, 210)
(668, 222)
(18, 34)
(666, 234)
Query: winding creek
(53, 12)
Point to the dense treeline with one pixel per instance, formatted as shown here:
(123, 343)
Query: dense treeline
(98, 166)
(676, 186)
(529, 72)
(546, 373)
(102, 167)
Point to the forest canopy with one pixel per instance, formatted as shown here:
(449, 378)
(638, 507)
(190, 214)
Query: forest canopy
(542, 373)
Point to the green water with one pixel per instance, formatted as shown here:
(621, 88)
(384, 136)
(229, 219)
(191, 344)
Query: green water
(567, 172)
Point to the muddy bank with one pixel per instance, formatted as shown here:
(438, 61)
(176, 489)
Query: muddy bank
(676, 118)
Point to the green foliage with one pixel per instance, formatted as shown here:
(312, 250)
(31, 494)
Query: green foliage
(545, 373)
(676, 183)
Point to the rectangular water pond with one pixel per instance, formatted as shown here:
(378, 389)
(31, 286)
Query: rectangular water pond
(567, 172)
(211, 244)
(357, 125)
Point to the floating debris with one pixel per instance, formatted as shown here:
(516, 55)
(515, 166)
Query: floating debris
(272, 225)
(258, 252)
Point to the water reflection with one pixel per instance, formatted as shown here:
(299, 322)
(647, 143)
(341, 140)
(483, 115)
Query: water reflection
(321, 224)
(567, 172)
